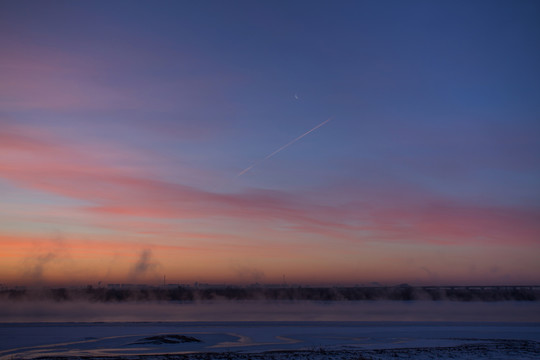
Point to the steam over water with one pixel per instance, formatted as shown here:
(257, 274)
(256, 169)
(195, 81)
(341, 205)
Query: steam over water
(84, 311)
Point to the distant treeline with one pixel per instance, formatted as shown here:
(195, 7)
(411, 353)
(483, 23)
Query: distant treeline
(232, 293)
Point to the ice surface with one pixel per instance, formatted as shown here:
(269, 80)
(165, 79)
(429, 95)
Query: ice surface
(280, 340)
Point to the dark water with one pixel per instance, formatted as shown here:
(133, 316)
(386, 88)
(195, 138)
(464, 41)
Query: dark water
(72, 311)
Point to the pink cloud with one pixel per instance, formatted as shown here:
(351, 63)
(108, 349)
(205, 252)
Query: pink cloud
(48, 166)
(121, 193)
(449, 223)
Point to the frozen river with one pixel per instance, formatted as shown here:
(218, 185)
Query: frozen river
(378, 340)
(270, 330)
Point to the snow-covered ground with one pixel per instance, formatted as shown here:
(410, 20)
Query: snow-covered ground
(271, 340)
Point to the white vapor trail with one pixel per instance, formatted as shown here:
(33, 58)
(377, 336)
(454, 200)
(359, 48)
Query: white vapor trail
(283, 147)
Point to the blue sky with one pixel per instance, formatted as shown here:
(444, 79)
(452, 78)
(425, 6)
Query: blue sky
(134, 119)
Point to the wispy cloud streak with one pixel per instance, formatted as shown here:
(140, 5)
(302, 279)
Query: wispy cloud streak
(283, 147)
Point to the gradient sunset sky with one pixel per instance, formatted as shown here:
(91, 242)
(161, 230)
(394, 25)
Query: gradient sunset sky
(126, 127)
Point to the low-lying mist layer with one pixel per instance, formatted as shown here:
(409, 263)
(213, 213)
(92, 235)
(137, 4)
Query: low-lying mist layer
(268, 310)
(189, 294)
(182, 303)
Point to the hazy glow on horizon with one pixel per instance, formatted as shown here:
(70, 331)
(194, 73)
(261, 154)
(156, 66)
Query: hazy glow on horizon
(125, 127)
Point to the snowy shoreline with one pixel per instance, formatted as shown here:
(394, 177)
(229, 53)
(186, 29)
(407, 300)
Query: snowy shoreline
(486, 349)
(270, 340)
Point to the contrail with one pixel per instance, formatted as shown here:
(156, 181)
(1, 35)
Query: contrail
(283, 147)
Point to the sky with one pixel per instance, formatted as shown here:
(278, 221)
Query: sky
(305, 142)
